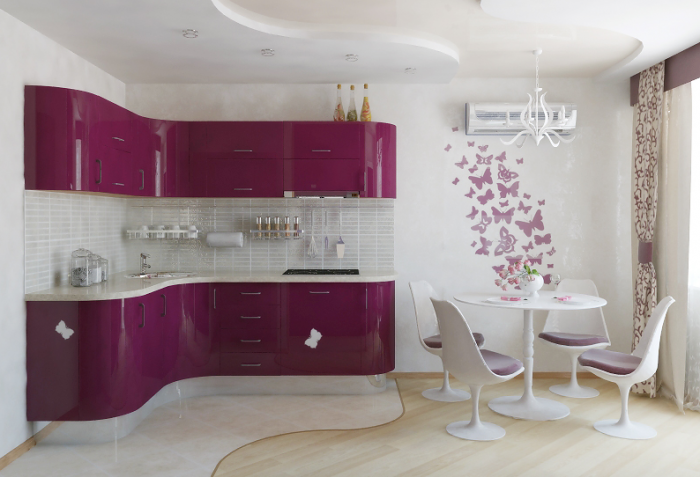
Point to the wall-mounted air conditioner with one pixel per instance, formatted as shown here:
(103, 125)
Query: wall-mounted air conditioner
(503, 119)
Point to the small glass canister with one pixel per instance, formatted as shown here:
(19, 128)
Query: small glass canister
(104, 268)
(258, 226)
(296, 228)
(80, 268)
(95, 272)
(276, 221)
(267, 227)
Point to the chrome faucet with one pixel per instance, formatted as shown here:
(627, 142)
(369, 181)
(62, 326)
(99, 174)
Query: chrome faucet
(144, 265)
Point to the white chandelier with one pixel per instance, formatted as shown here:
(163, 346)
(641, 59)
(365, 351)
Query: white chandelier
(531, 122)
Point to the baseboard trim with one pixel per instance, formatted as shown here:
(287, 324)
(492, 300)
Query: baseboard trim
(21, 449)
(536, 375)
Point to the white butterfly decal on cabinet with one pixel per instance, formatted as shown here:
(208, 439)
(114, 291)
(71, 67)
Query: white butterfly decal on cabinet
(313, 339)
(63, 330)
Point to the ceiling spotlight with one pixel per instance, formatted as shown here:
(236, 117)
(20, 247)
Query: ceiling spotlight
(267, 52)
(351, 57)
(410, 71)
(189, 33)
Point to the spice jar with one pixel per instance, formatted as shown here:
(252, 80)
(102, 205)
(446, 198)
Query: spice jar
(258, 226)
(267, 227)
(287, 234)
(277, 227)
(80, 268)
(296, 227)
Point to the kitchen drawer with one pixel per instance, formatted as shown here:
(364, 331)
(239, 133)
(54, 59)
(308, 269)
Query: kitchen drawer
(322, 140)
(249, 364)
(246, 139)
(308, 175)
(249, 341)
(251, 316)
(230, 295)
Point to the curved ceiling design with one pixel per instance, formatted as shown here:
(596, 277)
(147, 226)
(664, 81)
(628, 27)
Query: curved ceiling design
(662, 28)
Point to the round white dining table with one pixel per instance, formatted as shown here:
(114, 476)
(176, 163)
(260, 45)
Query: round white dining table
(528, 406)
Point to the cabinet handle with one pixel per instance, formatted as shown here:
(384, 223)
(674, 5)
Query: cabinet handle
(251, 293)
(117, 138)
(143, 179)
(251, 341)
(242, 188)
(320, 150)
(99, 181)
(143, 315)
(250, 317)
(118, 184)
(215, 298)
(242, 150)
(165, 306)
(256, 364)
(319, 293)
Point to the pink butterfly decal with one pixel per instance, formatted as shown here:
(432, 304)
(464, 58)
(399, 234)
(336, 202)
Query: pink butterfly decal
(463, 163)
(519, 161)
(470, 194)
(473, 169)
(527, 196)
(455, 181)
(505, 190)
(486, 197)
(550, 265)
(540, 202)
(470, 143)
(506, 244)
(484, 179)
(484, 160)
(543, 239)
(503, 204)
(505, 175)
(485, 244)
(512, 260)
(474, 244)
(523, 208)
(535, 223)
(501, 157)
(455, 129)
(528, 247)
(448, 147)
(507, 216)
(484, 148)
(473, 213)
(552, 252)
(485, 221)
(537, 259)
(498, 268)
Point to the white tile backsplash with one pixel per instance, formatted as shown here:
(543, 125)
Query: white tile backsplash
(56, 223)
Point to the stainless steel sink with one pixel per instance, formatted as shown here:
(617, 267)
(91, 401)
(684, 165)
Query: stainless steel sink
(162, 275)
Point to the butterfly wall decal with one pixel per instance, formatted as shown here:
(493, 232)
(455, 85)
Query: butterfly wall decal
(63, 330)
(527, 196)
(552, 252)
(473, 213)
(519, 161)
(506, 243)
(512, 260)
(535, 223)
(470, 194)
(484, 160)
(448, 148)
(540, 202)
(505, 190)
(506, 216)
(463, 163)
(485, 221)
(470, 143)
(484, 179)
(523, 208)
(528, 247)
(473, 244)
(484, 148)
(485, 244)
(506, 175)
(550, 265)
(455, 181)
(543, 239)
(498, 268)
(537, 259)
(503, 204)
(501, 157)
(313, 339)
(455, 129)
(486, 197)
(473, 169)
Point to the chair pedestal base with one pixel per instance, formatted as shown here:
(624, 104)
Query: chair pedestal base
(529, 407)
(575, 391)
(481, 431)
(627, 430)
(446, 395)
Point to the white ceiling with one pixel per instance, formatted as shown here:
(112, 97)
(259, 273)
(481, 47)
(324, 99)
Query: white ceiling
(140, 41)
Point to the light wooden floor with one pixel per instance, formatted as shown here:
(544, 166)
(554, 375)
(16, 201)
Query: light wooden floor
(417, 443)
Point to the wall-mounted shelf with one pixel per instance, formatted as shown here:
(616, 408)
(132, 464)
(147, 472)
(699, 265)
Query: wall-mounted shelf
(276, 234)
(163, 234)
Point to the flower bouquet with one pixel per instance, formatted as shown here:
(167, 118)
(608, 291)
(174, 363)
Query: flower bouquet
(520, 274)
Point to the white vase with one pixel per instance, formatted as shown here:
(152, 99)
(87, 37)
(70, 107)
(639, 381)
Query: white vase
(532, 287)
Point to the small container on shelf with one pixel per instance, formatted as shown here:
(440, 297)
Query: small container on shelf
(352, 111)
(80, 268)
(287, 227)
(192, 232)
(296, 228)
(95, 272)
(366, 114)
(104, 269)
(277, 235)
(267, 228)
(258, 226)
(339, 113)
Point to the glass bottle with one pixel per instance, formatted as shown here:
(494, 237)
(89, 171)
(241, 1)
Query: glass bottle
(258, 226)
(277, 227)
(267, 227)
(80, 268)
(339, 113)
(352, 112)
(104, 267)
(366, 114)
(286, 227)
(296, 227)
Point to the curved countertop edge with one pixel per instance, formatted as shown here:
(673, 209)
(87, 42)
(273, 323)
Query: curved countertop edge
(119, 286)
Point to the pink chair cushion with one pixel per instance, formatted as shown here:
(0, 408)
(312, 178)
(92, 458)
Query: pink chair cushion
(436, 341)
(572, 339)
(610, 361)
(500, 364)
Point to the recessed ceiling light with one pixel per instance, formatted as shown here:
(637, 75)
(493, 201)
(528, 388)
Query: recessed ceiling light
(410, 71)
(267, 52)
(352, 57)
(189, 33)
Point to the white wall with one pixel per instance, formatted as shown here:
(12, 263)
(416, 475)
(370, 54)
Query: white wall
(27, 58)
(585, 186)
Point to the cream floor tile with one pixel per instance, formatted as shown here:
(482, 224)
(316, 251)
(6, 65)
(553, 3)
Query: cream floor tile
(164, 463)
(322, 418)
(169, 434)
(271, 427)
(208, 451)
(132, 446)
(279, 405)
(42, 461)
(226, 420)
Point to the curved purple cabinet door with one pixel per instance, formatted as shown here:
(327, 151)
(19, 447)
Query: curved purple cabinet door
(379, 357)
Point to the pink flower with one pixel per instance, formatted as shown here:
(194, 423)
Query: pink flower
(503, 273)
(526, 262)
(505, 288)
(531, 278)
(518, 265)
(498, 282)
(517, 281)
(511, 269)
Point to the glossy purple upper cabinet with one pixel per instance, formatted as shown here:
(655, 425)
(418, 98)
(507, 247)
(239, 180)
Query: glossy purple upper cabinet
(379, 156)
(169, 154)
(57, 133)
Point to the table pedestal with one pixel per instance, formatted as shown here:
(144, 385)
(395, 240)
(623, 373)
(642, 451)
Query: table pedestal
(528, 406)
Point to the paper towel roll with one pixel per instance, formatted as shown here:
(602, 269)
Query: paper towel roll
(225, 239)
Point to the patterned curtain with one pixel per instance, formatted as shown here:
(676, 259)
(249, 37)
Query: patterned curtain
(647, 135)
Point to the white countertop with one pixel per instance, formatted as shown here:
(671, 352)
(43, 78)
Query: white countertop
(119, 286)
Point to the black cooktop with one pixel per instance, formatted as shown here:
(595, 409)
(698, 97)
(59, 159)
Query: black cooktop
(322, 271)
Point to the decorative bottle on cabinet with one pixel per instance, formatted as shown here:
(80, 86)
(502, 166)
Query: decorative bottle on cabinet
(352, 112)
(366, 114)
(339, 113)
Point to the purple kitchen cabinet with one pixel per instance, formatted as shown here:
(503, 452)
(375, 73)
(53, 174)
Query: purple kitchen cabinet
(148, 310)
(379, 157)
(201, 333)
(147, 164)
(113, 125)
(246, 305)
(169, 153)
(380, 345)
(170, 306)
(113, 171)
(245, 140)
(323, 140)
(223, 175)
